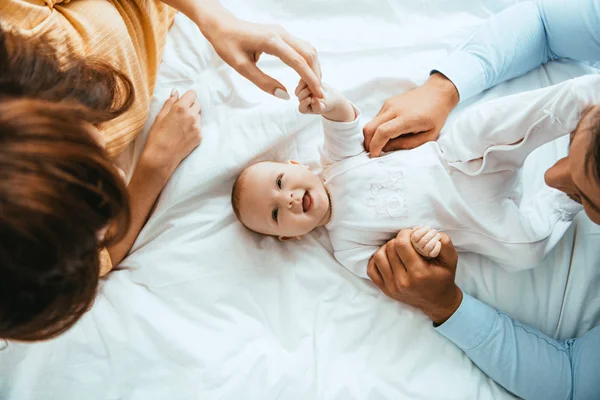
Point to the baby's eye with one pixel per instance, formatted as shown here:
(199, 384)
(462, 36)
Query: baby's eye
(279, 181)
(275, 213)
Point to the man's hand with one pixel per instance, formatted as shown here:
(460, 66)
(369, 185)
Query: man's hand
(402, 274)
(410, 119)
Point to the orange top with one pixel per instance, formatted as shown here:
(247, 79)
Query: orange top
(129, 35)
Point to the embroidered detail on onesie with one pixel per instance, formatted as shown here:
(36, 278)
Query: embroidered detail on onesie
(388, 198)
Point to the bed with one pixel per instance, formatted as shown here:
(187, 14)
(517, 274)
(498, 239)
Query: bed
(203, 309)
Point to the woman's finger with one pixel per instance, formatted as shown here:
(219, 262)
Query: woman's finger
(291, 57)
(187, 99)
(250, 71)
(195, 109)
(168, 104)
(306, 50)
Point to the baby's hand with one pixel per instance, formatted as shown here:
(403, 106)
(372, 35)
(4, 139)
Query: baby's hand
(426, 241)
(334, 106)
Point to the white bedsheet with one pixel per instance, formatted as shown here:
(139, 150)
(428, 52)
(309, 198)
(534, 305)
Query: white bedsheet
(202, 309)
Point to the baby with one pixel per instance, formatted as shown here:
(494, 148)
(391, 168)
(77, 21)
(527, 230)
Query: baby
(467, 183)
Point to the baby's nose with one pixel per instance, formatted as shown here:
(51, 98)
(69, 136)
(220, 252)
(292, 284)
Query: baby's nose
(293, 199)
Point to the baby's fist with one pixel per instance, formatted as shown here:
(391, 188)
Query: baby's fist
(333, 106)
(426, 241)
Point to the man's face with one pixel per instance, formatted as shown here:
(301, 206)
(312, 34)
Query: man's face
(575, 174)
(283, 199)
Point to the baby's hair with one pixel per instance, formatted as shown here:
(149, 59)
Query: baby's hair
(236, 195)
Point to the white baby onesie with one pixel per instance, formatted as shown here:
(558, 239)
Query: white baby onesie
(466, 184)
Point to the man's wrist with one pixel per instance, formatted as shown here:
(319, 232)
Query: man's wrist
(441, 313)
(446, 88)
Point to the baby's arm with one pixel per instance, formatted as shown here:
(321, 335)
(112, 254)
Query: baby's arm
(341, 123)
(426, 241)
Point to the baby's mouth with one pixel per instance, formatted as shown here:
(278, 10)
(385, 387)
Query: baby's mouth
(307, 202)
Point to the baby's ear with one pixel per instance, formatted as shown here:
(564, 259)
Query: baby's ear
(294, 162)
(286, 238)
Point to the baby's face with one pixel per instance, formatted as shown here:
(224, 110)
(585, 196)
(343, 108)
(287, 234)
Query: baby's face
(283, 199)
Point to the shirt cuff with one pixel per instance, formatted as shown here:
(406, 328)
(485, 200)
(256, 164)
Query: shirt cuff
(466, 73)
(471, 324)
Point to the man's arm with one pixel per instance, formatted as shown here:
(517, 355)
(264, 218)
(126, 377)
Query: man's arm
(521, 38)
(522, 359)
(509, 44)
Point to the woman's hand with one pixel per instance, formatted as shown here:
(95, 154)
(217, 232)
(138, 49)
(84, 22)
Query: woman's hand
(240, 44)
(175, 133)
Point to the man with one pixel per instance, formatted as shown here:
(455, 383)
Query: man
(520, 358)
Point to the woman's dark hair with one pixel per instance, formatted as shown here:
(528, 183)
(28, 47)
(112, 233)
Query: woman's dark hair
(58, 189)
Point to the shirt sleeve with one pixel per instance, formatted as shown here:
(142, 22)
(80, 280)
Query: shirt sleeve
(522, 359)
(521, 38)
(341, 139)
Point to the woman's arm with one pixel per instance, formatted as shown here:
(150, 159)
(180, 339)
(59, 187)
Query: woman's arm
(174, 134)
(240, 44)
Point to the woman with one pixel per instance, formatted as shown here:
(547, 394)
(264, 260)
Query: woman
(75, 85)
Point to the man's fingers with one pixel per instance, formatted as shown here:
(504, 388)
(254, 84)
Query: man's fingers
(410, 141)
(387, 131)
(374, 274)
(297, 62)
(405, 250)
(371, 127)
(383, 265)
(448, 256)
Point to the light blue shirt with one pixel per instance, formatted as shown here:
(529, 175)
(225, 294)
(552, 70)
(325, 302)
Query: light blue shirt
(520, 358)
